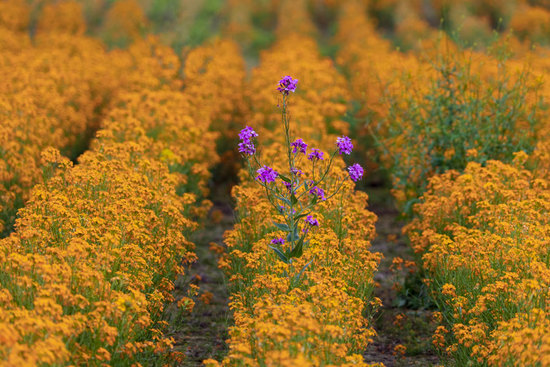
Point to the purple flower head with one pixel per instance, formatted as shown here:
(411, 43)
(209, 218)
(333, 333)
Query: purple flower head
(355, 172)
(287, 84)
(317, 191)
(296, 171)
(288, 186)
(247, 133)
(247, 147)
(299, 146)
(344, 145)
(315, 154)
(312, 221)
(278, 241)
(266, 174)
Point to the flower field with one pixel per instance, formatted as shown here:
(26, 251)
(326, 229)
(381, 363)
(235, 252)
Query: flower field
(374, 177)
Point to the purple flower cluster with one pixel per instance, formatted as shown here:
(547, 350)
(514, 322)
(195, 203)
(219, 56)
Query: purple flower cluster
(344, 145)
(246, 145)
(312, 221)
(287, 84)
(355, 172)
(278, 241)
(296, 171)
(317, 191)
(247, 133)
(266, 174)
(316, 154)
(299, 146)
(288, 186)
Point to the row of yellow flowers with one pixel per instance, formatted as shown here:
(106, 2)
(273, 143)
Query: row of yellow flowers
(88, 270)
(471, 21)
(483, 237)
(483, 234)
(324, 320)
(440, 107)
(55, 89)
(374, 69)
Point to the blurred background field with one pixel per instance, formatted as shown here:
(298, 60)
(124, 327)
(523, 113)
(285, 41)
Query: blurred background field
(187, 23)
(445, 101)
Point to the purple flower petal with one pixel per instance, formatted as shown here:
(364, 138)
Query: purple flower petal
(344, 145)
(267, 174)
(287, 84)
(355, 172)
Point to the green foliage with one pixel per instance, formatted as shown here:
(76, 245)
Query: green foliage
(204, 25)
(414, 293)
(465, 113)
(164, 12)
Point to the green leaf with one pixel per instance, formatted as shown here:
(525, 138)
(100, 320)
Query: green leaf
(284, 178)
(280, 254)
(300, 216)
(282, 226)
(284, 200)
(293, 235)
(298, 249)
(293, 199)
(290, 238)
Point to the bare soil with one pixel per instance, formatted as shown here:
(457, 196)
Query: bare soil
(202, 334)
(416, 328)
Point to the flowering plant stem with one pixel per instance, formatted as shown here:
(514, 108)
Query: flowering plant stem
(291, 164)
(296, 195)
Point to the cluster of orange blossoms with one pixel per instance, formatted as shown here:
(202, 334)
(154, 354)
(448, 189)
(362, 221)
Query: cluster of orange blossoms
(420, 108)
(54, 92)
(483, 236)
(90, 266)
(375, 71)
(471, 21)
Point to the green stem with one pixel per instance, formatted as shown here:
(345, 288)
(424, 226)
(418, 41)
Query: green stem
(286, 127)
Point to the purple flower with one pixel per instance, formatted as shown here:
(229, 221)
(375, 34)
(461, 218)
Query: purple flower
(296, 171)
(288, 186)
(312, 221)
(266, 174)
(315, 154)
(299, 146)
(247, 147)
(287, 84)
(247, 133)
(317, 191)
(278, 241)
(355, 172)
(344, 145)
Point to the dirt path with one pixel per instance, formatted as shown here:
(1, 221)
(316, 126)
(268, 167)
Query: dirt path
(403, 318)
(202, 334)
